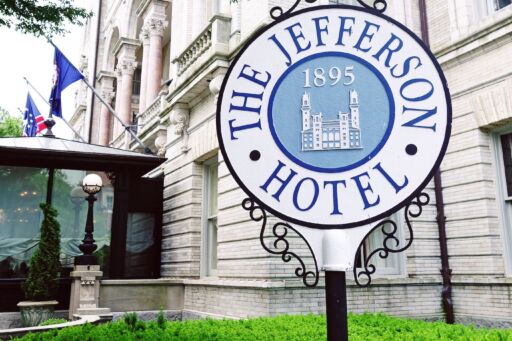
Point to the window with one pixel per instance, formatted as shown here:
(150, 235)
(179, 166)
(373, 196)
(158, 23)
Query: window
(68, 198)
(393, 265)
(137, 76)
(209, 235)
(23, 189)
(496, 5)
(503, 157)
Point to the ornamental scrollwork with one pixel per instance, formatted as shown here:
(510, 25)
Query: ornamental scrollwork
(281, 245)
(392, 242)
(378, 5)
(277, 12)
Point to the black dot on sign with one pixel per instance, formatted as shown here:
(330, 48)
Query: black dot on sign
(411, 149)
(255, 155)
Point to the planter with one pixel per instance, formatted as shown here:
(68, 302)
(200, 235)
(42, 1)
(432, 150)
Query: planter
(33, 313)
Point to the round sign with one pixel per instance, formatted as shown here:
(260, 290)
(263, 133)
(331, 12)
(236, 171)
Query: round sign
(334, 117)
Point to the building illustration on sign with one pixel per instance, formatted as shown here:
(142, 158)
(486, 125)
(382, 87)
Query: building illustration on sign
(341, 133)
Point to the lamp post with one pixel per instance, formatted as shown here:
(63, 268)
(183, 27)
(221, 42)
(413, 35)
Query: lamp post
(77, 197)
(91, 185)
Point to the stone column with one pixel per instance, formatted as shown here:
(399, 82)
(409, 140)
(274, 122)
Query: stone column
(127, 68)
(156, 31)
(144, 38)
(119, 77)
(85, 292)
(108, 96)
(106, 81)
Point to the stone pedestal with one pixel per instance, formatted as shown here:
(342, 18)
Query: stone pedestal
(85, 292)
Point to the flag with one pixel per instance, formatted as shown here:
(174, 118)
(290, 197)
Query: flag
(34, 121)
(65, 74)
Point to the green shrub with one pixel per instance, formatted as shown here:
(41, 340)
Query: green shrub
(300, 327)
(50, 322)
(42, 280)
(161, 320)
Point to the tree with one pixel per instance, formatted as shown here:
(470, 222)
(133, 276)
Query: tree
(10, 126)
(40, 17)
(43, 275)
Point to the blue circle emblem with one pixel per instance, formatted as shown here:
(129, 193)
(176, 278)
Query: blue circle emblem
(331, 112)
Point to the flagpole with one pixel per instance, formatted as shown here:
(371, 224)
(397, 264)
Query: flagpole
(47, 102)
(147, 150)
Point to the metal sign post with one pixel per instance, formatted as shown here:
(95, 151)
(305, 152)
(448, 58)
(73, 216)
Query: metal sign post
(332, 118)
(336, 305)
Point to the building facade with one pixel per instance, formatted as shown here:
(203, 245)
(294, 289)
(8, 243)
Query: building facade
(161, 63)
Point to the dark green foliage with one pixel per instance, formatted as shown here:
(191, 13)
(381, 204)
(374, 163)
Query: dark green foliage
(307, 328)
(44, 269)
(40, 18)
(161, 320)
(10, 126)
(50, 322)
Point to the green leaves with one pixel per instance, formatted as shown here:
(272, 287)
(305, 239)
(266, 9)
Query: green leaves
(10, 126)
(282, 328)
(41, 18)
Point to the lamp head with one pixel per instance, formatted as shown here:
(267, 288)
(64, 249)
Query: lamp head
(92, 184)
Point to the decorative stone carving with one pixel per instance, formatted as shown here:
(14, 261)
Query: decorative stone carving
(83, 66)
(493, 106)
(108, 96)
(180, 119)
(118, 74)
(127, 66)
(144, 35)
(180, 116)
(156, 26)
(216, 84)
(160, 143)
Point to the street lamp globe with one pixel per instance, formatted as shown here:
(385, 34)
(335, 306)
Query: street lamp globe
(92, 184)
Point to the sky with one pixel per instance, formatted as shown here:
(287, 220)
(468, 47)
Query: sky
(24, 55)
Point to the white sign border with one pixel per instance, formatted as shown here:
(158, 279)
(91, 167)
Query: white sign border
(399, 205)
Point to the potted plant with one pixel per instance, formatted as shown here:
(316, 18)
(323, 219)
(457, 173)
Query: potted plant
(42, 280)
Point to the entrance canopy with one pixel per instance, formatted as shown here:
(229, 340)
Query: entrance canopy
(59, 153)
(127, 213)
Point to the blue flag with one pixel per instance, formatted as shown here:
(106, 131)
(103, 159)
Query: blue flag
(65, 74)
(34, 121)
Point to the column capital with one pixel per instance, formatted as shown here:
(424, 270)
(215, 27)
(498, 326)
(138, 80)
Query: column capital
(108, 95)
(118, 74)
(144, 35)
(156, 26)
(126, 66)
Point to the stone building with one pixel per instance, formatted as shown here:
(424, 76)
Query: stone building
(161, 63)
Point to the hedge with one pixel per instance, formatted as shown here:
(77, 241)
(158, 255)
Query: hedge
(307, 328)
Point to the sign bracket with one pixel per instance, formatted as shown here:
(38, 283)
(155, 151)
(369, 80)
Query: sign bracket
(391, 243)
(280, 245)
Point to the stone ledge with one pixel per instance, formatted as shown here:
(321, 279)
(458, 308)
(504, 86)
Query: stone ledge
(6, 334)
(505, 281)
(160, 281)
(215, 282)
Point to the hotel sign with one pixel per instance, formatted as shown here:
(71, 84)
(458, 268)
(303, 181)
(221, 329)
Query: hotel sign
(334, 117)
